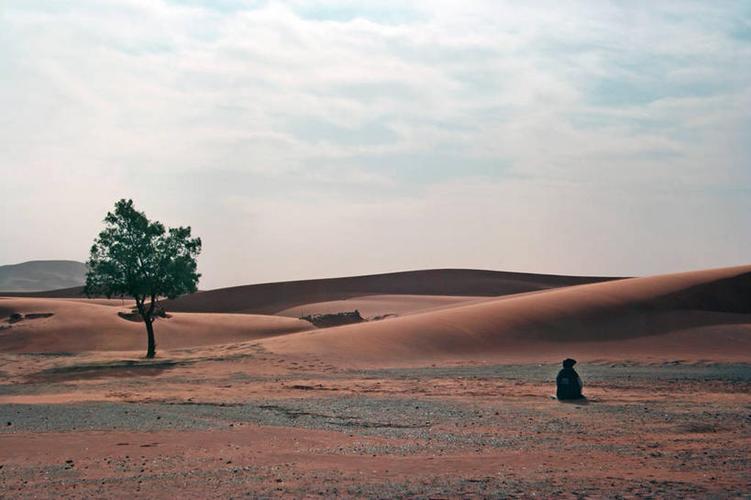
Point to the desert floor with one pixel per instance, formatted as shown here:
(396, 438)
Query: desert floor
(255, 424)
(450, 396)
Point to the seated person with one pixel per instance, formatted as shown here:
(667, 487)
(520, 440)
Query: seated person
(568, 383)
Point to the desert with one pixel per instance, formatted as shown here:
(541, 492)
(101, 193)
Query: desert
(449, 395)
(375, 249)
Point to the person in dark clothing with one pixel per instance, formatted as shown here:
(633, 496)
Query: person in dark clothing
(568, 383)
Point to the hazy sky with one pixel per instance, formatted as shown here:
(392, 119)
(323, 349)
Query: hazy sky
(317, 138)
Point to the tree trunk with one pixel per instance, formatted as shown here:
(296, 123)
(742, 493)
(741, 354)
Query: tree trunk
(147, 317)
(151, 352)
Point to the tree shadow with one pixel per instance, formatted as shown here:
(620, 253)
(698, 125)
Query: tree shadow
(125, 368)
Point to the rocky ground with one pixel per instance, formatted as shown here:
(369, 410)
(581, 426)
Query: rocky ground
(259, 427)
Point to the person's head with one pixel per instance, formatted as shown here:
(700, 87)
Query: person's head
(569, 363)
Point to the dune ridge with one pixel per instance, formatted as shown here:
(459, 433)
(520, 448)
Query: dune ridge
(78, 325)
(381, 306)
(668, 315)
(699, 315)
(270, 298)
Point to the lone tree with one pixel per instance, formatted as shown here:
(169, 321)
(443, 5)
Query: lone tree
(138, 258)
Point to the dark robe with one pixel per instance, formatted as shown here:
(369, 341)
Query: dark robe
(568, 384)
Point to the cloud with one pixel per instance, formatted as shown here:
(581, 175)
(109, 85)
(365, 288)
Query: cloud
(371, 109)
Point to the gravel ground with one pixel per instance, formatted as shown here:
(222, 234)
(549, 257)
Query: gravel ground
(609, 373)
(703, 440)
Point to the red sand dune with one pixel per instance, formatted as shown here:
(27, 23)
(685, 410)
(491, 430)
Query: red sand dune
(371, 306)
(695, 315)
(84, 326)
(270, 298)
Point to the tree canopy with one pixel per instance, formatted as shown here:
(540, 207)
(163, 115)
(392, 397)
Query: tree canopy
(138, 258)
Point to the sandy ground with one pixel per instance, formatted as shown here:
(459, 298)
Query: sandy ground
(450, 398)
(261, 426)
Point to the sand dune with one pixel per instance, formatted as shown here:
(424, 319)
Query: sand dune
(371, 306)
(693, 316)
(83, 326)
(271, 298)
(696, 315)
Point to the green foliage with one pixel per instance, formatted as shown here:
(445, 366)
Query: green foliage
(136, 257)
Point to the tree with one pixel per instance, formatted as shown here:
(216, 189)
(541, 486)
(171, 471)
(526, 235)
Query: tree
(138, 258)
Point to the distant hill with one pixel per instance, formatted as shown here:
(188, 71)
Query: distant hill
(40, 275)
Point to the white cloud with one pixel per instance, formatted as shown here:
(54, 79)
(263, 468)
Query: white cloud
(370, 110)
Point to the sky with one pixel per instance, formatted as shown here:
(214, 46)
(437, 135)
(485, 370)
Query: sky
(317, 138)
